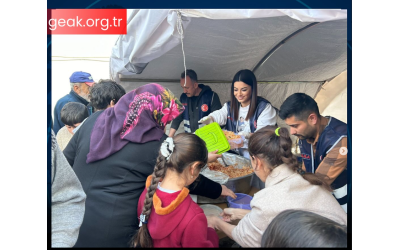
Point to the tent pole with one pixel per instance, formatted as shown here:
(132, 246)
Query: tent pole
(265, 58)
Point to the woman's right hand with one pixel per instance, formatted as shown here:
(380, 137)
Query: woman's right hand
(227, 192)
(213, 156)
(206, 120)
(231, 214)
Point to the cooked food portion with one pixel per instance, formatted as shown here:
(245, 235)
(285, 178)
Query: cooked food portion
(231, 171)
(230, 135)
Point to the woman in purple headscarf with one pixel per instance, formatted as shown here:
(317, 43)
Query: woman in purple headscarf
(113, 153)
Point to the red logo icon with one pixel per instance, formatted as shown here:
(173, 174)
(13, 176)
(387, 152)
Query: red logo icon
(204, 107)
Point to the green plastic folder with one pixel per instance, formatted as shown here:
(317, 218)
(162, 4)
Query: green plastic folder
(214, 137)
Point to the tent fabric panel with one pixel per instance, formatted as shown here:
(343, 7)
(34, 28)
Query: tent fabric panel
(306, 15)
(316, 54)
(153, 33)
(332, 98)
(217, 49)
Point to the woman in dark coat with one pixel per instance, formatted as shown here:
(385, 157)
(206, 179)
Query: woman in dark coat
(113, 153)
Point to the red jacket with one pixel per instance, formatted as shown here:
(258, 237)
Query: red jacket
(177, 221)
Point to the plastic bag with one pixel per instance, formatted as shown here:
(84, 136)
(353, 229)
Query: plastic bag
(236, 143)
(216, 176)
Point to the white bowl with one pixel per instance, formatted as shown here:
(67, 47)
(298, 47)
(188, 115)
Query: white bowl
(211, 210)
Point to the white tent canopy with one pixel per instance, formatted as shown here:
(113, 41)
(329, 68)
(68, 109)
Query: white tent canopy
(278, 45)
(288, 50)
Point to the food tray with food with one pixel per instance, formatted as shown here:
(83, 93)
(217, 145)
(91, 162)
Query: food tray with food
(232, 171)
(241, 168)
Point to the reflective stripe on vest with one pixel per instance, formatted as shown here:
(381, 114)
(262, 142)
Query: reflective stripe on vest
(340, 192)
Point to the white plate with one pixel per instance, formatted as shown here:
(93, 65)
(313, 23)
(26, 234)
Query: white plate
(211, 210)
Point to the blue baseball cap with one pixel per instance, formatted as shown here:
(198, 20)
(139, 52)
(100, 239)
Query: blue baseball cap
(80, 76)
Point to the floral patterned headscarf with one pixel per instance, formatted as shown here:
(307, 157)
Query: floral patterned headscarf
(139, 116)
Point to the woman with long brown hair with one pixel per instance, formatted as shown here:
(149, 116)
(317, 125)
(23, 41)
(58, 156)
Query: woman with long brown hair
(257, 112)
(287, 186)
(168, 216)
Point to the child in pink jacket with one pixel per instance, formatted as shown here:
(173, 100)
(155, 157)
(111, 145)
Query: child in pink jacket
(168, 216)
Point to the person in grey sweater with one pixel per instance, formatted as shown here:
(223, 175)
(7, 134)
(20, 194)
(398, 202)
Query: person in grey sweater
(67, 199)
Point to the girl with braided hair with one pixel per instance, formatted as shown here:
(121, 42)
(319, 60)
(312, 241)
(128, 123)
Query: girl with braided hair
(287, 186)
(168, 216)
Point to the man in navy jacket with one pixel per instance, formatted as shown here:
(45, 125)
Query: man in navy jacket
(80, 84)
(322, 142)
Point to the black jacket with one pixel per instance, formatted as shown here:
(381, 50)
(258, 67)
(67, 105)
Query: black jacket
(194, 116)
(113, 187)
